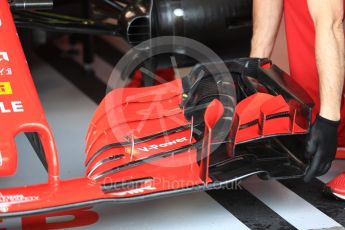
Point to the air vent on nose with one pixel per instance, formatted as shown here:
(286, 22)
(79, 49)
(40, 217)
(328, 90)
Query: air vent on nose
(138, 30)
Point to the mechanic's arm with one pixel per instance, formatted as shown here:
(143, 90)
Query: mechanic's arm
(329, 50)
(267, 16)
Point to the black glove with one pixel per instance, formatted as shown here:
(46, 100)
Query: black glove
(321, 147)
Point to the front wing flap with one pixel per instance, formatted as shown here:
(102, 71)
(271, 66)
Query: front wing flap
(135, 153)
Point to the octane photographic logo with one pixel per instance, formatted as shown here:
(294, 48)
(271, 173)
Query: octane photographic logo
(152, 103)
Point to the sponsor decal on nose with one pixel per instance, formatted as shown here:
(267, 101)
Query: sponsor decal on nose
(4, 57)
(5, 88)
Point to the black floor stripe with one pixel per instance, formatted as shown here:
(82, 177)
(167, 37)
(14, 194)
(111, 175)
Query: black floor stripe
(85, 81)
(312, 192)
(249, 210)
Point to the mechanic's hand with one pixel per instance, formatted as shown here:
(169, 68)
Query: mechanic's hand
(321, 147)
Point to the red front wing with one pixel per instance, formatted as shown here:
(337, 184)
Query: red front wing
(140, 143)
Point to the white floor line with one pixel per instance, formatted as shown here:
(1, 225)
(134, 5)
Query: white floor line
(338, 167)
(288, 205)
(192, 211)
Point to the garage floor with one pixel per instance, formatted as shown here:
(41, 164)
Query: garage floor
(69, 105)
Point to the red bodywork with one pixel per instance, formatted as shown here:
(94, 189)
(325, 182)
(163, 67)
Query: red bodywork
(136, 167)
(21, 110)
